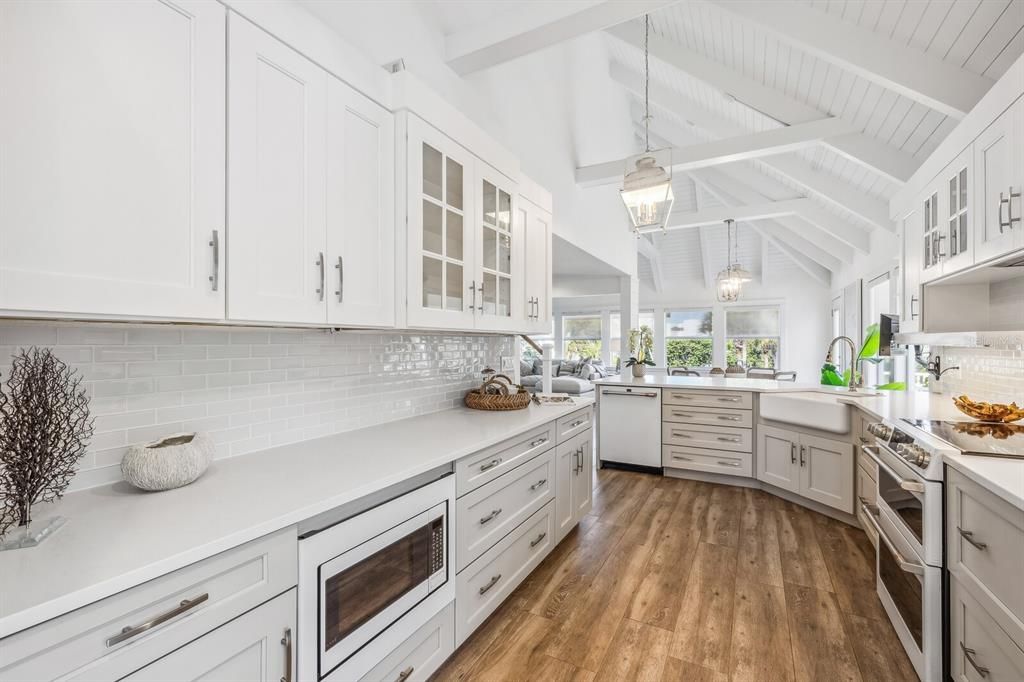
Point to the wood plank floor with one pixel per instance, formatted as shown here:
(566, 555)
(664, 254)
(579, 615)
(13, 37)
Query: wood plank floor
(669, 579)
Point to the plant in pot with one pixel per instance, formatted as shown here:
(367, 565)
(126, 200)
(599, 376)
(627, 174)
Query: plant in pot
(641, 348)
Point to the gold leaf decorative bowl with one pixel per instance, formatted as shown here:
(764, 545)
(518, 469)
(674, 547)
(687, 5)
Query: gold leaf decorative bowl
(989, 412)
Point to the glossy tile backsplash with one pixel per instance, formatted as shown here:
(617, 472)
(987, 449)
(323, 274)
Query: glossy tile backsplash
(251, 389)
(994, 374)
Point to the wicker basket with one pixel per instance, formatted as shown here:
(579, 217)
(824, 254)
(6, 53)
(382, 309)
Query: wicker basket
(498, 393)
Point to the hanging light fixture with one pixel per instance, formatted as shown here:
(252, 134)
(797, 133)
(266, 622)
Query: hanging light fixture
(731, 280)
(647, 186)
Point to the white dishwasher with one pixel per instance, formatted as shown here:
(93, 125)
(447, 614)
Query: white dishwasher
(630, 425)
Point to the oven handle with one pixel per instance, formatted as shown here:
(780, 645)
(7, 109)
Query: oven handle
(913, 487)
(908, 566)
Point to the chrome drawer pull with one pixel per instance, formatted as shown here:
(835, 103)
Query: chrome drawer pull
(728, 440)
(130, 631)
(576, 423)
(685, 459)
(538, 484)
(536, 541)
(323, 277)
(792, 453)
(340, 267)
(969, 654)
(490, 465)
(728, 400)
(286, 642)
(728, 464)
(539, 441)
(490, 516)
(492, 583)
(729, 418)
(969, 536)
(680, 434)
(405, 674)
(681, 414)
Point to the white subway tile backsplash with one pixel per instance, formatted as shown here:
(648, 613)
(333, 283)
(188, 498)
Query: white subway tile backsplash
(990, 374)
(250, 388)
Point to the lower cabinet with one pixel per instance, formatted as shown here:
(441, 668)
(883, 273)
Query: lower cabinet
(422, 653)
(979, 647)
(574, 482)
(257, 646)
(820, 469)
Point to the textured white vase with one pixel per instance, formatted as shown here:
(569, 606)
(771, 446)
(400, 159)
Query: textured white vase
(168, 463)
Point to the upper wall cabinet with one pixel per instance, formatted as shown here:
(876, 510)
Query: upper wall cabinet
(911, 306)
(999, 174)
(536, 231)
(310, 191)
(464, 267)
(112, 158)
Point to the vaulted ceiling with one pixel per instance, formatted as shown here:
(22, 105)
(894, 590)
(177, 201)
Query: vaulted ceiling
(804, 116)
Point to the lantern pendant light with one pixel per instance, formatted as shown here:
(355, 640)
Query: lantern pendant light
(731, 280)
(647, 186)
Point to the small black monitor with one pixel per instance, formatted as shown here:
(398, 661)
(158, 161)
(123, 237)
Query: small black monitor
(887, 326)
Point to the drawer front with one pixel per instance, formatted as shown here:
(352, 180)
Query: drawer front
(867, 526)
(422, 653)
(979, 648)
(490, 512)
(221, 587)
(867, 463)
(867, 487)
(861, 422)
(713, 461)
(715, 438)
(574, 424)
(484, 466)
(985, 543)
(481, 588)
(707, 416)
(736, 400)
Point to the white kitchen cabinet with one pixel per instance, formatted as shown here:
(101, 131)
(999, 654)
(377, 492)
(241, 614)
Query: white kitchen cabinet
(583, 477)
(536, 232)
(499, 253)
(913, 260)
(255, 647)
(958, 214)
(277, 144)
(998, 171)
(934, 241)
(574, 471)
(441, 243)
(112, 166)
(360, 210)
(820, 469)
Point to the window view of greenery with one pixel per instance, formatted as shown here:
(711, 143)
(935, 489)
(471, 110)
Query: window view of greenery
(688, 338)
(582, 337)
(752, 337)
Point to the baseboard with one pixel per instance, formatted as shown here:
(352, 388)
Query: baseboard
(639, 468)
(708, 477)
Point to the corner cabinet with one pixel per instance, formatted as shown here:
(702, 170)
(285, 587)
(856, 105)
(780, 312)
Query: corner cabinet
(820, 469)
(310, 191)
(112, 128)
(465, 250)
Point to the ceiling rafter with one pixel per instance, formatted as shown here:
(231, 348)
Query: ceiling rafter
(704, 245)
(535, 27)
(647, 248)
(681, 220)
(913, 73)
(878, 157)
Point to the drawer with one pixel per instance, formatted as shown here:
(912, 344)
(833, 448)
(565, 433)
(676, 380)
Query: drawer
(861, 422)
(490, 512)
(975, 636)
(422, 653)
(713, 437)
(985, 544)
(227, 584)
(708, 398)
(867, 525)
(481, 588)
(479, 468)
(867, 487)
(707, 416)
(713, 461)
(867, 463)
(574, 424)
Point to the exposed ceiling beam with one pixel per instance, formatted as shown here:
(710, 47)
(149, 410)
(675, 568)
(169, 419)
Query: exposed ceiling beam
(679, 220)
(826, 187)
(704, 244)
(913, 73)
(649, 250)
(814, 270)
(743, 147)
(535, 26)
(862, 149)
(764, 258)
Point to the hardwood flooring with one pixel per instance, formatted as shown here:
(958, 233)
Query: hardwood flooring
(671, 580)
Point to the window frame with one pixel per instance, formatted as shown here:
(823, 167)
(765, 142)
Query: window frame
(726, 336)
(710, 338)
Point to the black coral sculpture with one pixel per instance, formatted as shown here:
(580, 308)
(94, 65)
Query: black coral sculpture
(44, 430)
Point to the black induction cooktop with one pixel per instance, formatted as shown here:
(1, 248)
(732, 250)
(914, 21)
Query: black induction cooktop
(977, 438)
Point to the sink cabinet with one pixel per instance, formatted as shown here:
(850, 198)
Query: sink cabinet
(820, 469)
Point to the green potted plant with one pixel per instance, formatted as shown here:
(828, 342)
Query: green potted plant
(641, 348)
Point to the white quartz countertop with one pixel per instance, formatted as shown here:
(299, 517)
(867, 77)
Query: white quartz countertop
(117, 537)
(714, 383)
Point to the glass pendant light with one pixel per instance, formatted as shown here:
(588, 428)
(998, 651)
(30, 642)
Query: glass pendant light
(731, 280)
(647, 186)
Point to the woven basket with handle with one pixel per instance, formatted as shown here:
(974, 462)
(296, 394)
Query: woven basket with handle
(498, 393)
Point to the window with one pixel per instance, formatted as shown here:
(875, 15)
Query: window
(688, 340)
(881, 299)
(582, 336)
(752, 337)
(646, 317)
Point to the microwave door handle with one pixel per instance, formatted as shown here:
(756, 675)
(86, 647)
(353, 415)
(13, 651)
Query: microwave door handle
(915, 488)
(908, 566)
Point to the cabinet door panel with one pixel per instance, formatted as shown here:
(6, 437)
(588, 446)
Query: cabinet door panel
(112, 161)
(996, 173)
(776, 458)
(583, 481)
(276, 191)
(537, 283)
(499, 252)
(251, 648)
(565, 478)
(360, 209)
(910, 314)
(826, 472)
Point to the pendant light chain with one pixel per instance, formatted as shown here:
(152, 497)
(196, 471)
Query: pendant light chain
(647, 85)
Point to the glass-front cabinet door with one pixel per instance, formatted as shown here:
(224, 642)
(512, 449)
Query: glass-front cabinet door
(441, 241)
(499, 276)
(958, 216)
(934, 238)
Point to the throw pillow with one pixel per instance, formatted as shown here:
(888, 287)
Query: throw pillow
(525, 368)
(538, 367)
(567, 368)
